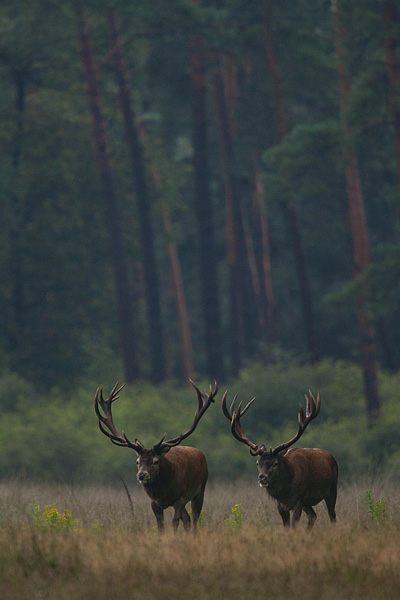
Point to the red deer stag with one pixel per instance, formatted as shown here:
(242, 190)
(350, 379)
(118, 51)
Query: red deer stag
(171, 475)
(298, 478)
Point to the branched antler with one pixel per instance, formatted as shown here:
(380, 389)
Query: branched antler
(236, 427)
(304, 418)
(105, 419)
(204, 401)
(115, 437)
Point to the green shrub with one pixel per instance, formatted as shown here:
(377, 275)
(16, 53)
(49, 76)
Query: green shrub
(235, 522)
(376, 509)
(56, 437)
(49, 517)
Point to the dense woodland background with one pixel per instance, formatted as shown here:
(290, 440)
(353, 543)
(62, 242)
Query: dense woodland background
(204, 189)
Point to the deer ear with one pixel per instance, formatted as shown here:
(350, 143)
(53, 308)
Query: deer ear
(281, 453)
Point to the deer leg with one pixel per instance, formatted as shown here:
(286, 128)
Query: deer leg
(159, 514)
(185, 519)
(180, 514)
(330, 505)
(285, 514)
(311, 514)
(197, 505)
(297, 510)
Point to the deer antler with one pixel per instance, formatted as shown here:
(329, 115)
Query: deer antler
(236, 427)
(204, 401)
(304, 419)
(115, 437)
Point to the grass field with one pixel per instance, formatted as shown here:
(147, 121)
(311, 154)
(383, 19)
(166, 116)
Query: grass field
(241, 550)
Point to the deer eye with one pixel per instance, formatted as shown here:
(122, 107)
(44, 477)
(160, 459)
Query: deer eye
(137, 461)
(155, 461)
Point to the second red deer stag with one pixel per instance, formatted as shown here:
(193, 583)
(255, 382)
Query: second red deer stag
(171, 475)
(298, 478)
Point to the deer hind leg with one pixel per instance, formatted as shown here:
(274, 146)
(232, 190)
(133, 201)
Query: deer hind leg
(159, 514)
(197, 505)
(311, 514)
(330, 505)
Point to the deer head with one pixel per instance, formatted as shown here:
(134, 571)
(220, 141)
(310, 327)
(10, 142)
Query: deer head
(149, 459)
(268, 461)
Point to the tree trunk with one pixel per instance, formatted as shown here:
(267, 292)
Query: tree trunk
(17, 226)
(175, 265)
(289, 203)
(394, 76)
(242, 322)
(112, 206)
(359, 231)
(151, 279)
(264, 264)
(210, 299)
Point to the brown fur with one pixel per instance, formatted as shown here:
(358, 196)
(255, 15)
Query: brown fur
(298, 480)
(177, 477)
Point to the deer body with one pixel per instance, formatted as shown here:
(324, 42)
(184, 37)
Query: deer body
(180, 477)
(171, 475)
(298, 480)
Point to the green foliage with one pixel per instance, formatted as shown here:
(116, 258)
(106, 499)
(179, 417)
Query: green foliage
(56, 437)
(49, 518)
(235, 522)
(376, 509)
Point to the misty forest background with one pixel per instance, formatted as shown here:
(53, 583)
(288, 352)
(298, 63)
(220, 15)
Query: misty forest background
(206, 190)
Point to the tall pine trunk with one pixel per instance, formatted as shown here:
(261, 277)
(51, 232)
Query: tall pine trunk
(175, 264)
(289, 205)
(391, 42)
(16, 336)
(231, 218)
(112, 206)
(146, 233)
(261, 224)
(242, 322)
(358, 227)
(209, 281)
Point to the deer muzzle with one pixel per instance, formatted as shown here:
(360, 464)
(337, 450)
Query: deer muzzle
(143, 476)
(264, 480)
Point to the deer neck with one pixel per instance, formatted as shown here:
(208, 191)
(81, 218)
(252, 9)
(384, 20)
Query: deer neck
(159, 487)
(280, 483)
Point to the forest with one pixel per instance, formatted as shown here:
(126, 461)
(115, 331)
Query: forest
(203, 189)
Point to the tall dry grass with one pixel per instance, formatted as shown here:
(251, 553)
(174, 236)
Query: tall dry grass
(113, 555)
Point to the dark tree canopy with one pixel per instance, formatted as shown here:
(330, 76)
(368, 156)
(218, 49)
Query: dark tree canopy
(285, 163)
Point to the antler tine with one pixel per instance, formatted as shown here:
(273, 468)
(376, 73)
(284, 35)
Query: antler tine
(227, 413)
(304, 418)
(247, 406)
(114, 394)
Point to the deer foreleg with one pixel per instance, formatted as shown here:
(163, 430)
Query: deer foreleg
(311, 514)
(180, 514)
(159, 514)
(296, 514)
(285, 514)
